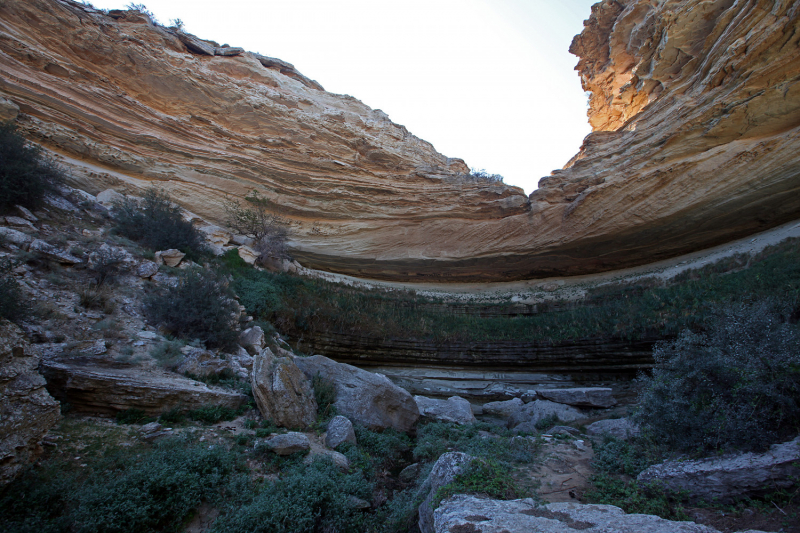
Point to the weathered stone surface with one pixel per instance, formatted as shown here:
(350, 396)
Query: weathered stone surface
(28, 411)
(52, 253)
(109, 197)
(282, 392)
(445, 470)
(288, 443)
(409, 473)
(363, 397)
(540, 409)
(26, 214)
(247, 254)
(198, 46)
(146, 269)
(470, 514)
(171, 257)
(8, 110)
(215, 235)
(228, 51)
(199, 362)
(97, 387)
(563, 430)
(580, 397)
(732, 477)
(502, 409)
(621, 428)
(19, 222)
(252, 340)
(339, 430)
(454, 409)
(23, 240)
(110, 257)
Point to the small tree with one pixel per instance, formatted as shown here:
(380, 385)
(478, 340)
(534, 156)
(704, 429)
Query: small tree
(267, 229)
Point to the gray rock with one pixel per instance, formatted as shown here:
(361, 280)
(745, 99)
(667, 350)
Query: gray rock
(539, 409)
(364, 397)
(51, 252)
(621, 428)
(26, 214)
(288, 443)
(564, 430)
(502, 409)
(23, 240)
(215, 235)
(410, 473)
(8, 110)
(282, 392)
(146, 269)
(28, 411)
(730, 477)
(152, 427)
(110, 256)
(171, 257)
(109, 197)
(581, 397)
(338, 459)
(526, 427)
(196, 45)
(339, 430)
(470, 514)
(252, 340)
(228, 51)
(445, 470)
(20, 222)
(454, 409)
(60, 203)
(201, 363)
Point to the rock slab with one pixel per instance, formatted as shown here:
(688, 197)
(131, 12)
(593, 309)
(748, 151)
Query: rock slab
(288, 443)
(364, 397)
(537, 410)
(28, 411)
(444, 471)
(599, 397)
(454, 409)
(732, 477)
(339, 431)
(282, 392)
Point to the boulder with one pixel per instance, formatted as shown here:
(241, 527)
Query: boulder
(19, 222)
(101, 387)
(247, 254)
(539, 409)
(563, 430)
(28, 411)
(454, 409)
(215, 235)
(339, 430)
(621, 428)
(196, 45)
(26, 214)
(445, 470)
(282, 392)
(109, 197)
(409, 473)
(52, 253)
(338, 459)
(110, 257)
(364, 397)
(8, 110)
(146, 269)
(731, 477)
(228, 51)
(252, 340)
(199, 362)
(171, 257)
(287, 444)
(471, 514)
(502, 409)
(23, 240)
(581, 397)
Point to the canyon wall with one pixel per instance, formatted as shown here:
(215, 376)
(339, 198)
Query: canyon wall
(695, 108)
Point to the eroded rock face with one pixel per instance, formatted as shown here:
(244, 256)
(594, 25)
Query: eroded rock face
(537, 410)
(282, 392)
(447, 467)
(27, 411)
(470, 514)
(600, 397)
(454, 409)
(694, 104)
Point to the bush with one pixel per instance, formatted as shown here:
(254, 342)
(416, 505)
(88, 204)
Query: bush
(157, 224)
(12, 303)
(211, 414)
(325, 395)
(434, 439)
(255, 220)
(201, 306)
(735, 386)
(26, 174)
(485, 477)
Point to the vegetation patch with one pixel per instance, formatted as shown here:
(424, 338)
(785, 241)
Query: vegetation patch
(485, 477)
(13, 305)
(26, 174)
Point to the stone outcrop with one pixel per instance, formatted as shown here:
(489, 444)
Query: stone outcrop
(502, 409)
(537, 410)
(600, 397)
(730, 478)
(286, 444)
(454, 409)
(363, 397)
(444, 471)
(339, 431)
(101, 387)
(282, 392)
(27, 411)
(470, 514)
(694, 104)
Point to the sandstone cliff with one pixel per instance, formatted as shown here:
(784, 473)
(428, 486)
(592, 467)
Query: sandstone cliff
(696, 111)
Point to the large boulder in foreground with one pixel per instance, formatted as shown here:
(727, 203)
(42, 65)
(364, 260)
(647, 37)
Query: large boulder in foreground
(454, 409)
(444, 471)
(282, 392)
(732, 477)
(364, 397)
(470, 514)
(27, 411)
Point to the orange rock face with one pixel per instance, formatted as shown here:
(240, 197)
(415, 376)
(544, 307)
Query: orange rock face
(695, 107)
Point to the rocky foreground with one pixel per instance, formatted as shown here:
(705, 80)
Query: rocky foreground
(695, 108)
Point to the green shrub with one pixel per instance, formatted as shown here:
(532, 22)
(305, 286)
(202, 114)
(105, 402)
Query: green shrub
(734, 386)
(168, 353)
(201, 306)
(633, 497)
(157, 224)
(486, 477)
(325, 395)
(211, 414)
(12, 302)
(547, 422)
(479, 440)
(629, 458)
(131, 416)
(26, 174)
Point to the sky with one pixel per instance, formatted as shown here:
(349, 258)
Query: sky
(489, 81)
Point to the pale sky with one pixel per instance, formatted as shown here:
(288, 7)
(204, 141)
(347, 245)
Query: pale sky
(489, 81)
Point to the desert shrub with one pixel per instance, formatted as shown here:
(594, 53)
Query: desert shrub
(547, 422)
(107, 263)
(479, 440)
(325, 395)
(200, 306)
(258, 294)
(629, 458)
(306, 499)
(26, 174)
(736, 385)
(211, 414)
(168, 353)
(268, 229)
(634, 497)
(12, 302)
(486, 477)
(131, 416)
(94, 296)
(155, 222)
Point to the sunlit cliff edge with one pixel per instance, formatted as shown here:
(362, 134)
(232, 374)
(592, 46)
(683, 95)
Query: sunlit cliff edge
(695, 109)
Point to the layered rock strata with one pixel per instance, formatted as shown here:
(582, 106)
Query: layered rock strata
(27, 411)
(695, 106)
